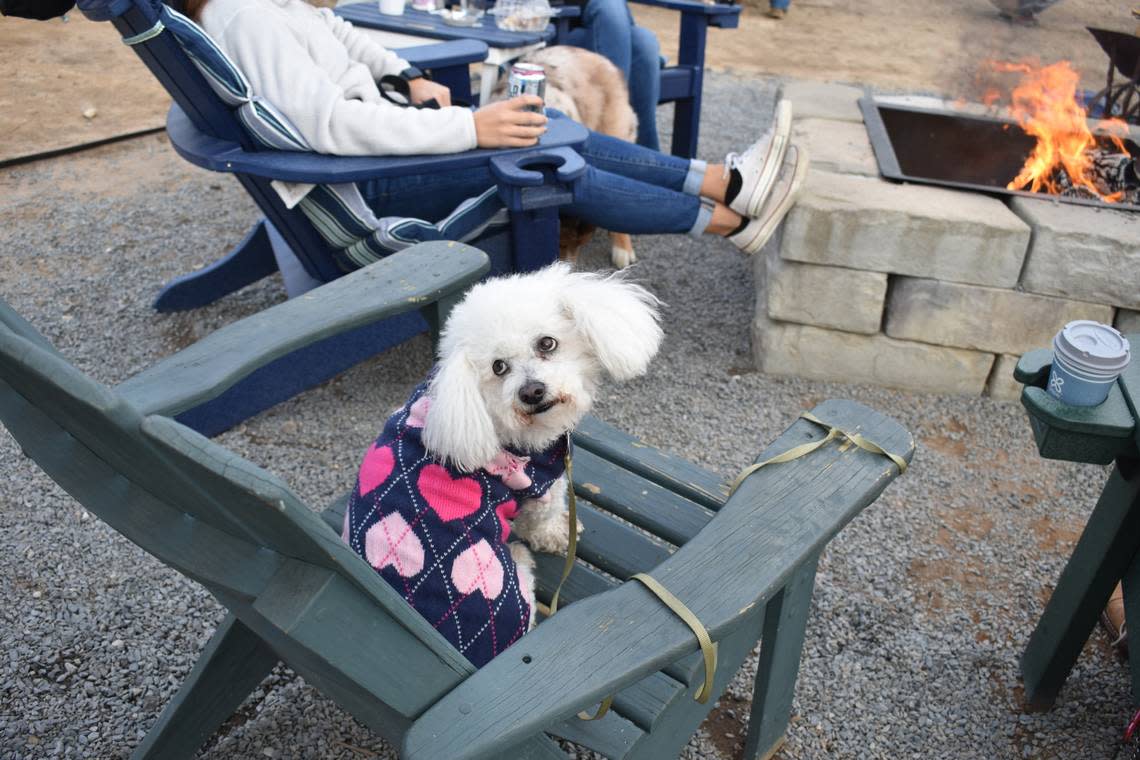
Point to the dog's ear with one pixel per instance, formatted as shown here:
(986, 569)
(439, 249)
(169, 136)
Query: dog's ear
(458, 428)
(618, 318)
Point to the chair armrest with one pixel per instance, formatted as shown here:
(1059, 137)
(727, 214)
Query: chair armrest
(695, 6)
(292, 166)
(1093, 434)
(443, 54)
(410, 279)
(779, 518)
(105, 10)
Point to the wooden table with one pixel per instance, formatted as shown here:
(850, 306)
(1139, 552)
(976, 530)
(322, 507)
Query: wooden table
(1107, 551)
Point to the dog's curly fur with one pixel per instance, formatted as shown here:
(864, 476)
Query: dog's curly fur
(497, 340)
(589, 89)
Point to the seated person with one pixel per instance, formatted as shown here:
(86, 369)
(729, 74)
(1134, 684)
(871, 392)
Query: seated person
(608, 29)
(321, 74)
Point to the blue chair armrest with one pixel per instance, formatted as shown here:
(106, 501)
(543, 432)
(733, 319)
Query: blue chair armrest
(443, 54)
(225, 156)
(694, 6)
(719, 14)
(105, 10)
(522, 184)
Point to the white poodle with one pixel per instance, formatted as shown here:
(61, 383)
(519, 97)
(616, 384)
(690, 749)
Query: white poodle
(478, 450)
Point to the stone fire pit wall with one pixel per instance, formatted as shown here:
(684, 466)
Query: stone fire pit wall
(925, 288)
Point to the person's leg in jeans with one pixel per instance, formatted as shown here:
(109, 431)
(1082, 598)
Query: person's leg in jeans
(608, 30)
(622, 190)
(778, 8)
(645, 84)
(626, 188)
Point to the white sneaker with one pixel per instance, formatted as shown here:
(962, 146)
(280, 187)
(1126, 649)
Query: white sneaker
(784, 191)
(758, 165)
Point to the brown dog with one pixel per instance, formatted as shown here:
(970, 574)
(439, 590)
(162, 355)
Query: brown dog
(592, 91)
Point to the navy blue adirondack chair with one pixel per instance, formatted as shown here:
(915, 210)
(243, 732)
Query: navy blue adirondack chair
(216, 123)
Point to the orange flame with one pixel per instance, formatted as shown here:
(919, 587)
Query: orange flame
(1045, 106)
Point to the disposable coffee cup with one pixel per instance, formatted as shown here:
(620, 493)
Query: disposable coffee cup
(392, 7)
(1088, 357)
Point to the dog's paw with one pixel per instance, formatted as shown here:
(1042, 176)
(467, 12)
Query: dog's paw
(553, 537)
(622, 257)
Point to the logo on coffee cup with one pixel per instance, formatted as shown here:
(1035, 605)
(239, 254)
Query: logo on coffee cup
(1056, 384)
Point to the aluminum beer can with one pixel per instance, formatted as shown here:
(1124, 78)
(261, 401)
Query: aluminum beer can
(527, 79)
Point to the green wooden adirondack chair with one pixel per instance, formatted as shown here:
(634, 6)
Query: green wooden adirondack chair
(295, 593)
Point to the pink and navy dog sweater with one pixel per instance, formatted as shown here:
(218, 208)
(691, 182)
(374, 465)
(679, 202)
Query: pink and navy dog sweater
(439, 536)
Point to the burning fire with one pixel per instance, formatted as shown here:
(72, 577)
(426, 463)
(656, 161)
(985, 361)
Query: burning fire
(1045, 106)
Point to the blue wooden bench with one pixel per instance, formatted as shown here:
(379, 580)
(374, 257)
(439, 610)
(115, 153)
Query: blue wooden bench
(744, 564)
(207, 131)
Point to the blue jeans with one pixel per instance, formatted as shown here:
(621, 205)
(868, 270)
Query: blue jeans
(780, 5)
(608, 29)
(626, 188)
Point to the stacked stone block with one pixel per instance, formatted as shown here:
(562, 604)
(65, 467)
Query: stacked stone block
(920, 287)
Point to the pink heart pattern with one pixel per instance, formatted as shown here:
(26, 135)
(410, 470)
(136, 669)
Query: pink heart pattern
(377, 466)
(478, 569)
(506, 511)
(451, 499)
(392, 542)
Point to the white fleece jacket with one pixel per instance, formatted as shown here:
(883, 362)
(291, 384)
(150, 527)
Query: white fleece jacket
(321, 73)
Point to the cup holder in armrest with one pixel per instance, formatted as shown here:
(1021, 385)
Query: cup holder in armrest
(538, 179)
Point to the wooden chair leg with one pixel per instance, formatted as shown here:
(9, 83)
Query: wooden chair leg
(785, 620)
(233, 663)
(1132, 612)
(436, 315)
(249, 261)
(687, 111)
(535, 238)
(1100, 559)
(676, 725)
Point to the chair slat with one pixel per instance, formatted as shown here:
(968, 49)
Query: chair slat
(583, 581)
(615, 547)
(647, 505)
(644, 701)
(611, 735)
(669, 471)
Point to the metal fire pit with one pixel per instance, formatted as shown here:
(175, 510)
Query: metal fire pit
(956, 150)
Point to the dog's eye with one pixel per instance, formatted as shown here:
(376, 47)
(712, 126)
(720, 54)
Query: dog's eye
(500, 367)
(547, 344)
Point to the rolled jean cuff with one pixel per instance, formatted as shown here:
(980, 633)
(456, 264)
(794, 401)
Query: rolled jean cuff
(704, 216)
(694, 177)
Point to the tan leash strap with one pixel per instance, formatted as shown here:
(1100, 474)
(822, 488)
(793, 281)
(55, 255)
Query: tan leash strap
(806, 448)
(572, 517)
(708, 646)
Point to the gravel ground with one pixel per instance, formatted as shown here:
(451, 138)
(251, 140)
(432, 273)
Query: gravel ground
(922, 605)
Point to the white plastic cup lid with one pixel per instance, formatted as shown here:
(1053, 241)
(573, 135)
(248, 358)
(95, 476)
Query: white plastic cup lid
(1092, 346)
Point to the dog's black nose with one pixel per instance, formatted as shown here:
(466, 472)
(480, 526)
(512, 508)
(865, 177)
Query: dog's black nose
(533, 392)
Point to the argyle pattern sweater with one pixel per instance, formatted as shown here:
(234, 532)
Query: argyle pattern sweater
(438, 535)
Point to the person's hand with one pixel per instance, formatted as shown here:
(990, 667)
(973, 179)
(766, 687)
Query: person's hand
(507, 123)
(423, 89)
